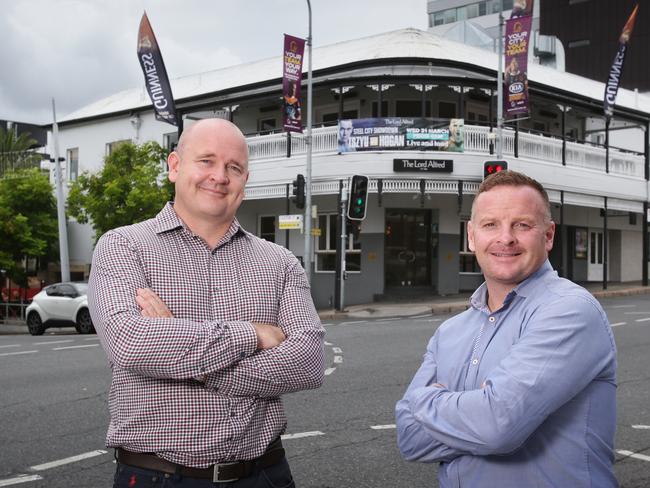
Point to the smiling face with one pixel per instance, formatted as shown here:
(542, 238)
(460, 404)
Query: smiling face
(209, 170)
(511, 234)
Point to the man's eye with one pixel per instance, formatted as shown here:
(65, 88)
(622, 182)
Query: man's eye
(235, 169)
(522, 225)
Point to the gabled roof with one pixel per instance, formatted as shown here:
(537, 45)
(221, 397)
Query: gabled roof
(403, 43)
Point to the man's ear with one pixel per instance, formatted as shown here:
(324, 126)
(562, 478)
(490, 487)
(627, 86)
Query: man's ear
(173, 161)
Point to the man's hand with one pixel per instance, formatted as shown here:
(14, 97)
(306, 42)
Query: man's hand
(268, 335)
(151, 305)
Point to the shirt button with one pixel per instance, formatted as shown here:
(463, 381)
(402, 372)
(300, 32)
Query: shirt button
(475, 361)
(492, 319)
(242, 355)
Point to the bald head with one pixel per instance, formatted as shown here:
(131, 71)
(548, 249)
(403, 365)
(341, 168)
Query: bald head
(205, 127)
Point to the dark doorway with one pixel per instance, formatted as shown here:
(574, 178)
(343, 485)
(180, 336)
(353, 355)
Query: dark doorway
(407, 248)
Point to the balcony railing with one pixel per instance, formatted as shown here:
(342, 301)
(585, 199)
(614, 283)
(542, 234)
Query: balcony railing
(477, 140)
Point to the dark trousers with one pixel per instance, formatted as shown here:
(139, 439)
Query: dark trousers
(276, 476)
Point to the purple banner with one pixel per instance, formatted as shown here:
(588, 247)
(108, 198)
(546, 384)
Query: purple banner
(515, 76)
(294, 49)
(611, 88)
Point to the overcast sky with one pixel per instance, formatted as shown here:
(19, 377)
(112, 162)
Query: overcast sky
(79, 51)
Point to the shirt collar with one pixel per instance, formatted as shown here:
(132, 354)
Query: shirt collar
(167, 220)
(478, 299)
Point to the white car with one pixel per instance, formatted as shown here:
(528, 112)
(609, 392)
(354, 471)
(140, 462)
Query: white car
(60, 305)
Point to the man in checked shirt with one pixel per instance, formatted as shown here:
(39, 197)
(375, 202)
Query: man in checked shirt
(205, 326)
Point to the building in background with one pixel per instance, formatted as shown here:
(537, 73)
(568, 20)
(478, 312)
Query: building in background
(413, 239)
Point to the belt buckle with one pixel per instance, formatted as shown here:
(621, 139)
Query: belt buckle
(216, 474)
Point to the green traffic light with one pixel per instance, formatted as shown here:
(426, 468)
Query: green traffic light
(359, 201)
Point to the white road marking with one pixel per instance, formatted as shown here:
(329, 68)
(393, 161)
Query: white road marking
(327, 343)
(643, 320)
(390, 319)
(622, 306)
(329, 371)
(635, 313)
(336, 350)
(338, 359)
(328, 323)
(91, 339)
(420, 316)
(641, 427)
(74, 347)
(10, 345)
(618, 323)
(52, 342)
(300, 435)
(354, 322)
(17, 353)
(71, 459)
(634, 455)
(21, 478)
(434, 320)
(383, 427)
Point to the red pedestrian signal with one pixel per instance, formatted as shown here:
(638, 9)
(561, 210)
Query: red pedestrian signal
(492, 167)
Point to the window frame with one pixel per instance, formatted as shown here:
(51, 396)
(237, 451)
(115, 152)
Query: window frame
(353, 247)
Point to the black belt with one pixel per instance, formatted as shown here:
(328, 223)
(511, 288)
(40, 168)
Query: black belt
(222, 472)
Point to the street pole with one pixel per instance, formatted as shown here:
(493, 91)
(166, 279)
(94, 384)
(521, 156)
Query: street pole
(344, 205)
(500, 86)
(60, 202)
(308, 236)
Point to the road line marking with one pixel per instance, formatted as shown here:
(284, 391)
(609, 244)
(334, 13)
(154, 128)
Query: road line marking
(641, 427)
(634, 455)
(622, 306)
(390, 319)
(421, 316)
(354, 322)
(74, 347)
(21, 478)
(52, 342)
(328, 323)
(618, 323)
(91, 339)
(643, 320)
(17, 353)
(338, 359)
(300, 435)
(68, 460)
(635, 313)
(383, 427)
(327, 343)
(336, 350)
(434, 320)
(10, 345)
(329, 371)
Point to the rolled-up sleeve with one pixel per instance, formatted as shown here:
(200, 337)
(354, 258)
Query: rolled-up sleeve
(564, 347)
(157, 347)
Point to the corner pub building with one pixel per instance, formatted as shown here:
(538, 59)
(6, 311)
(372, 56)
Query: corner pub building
(413, 239)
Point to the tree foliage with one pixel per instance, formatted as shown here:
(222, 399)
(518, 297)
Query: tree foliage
(128, 189)
(16, 151)
(28, 221)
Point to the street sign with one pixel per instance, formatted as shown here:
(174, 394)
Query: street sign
(316, 232)
(288, 222)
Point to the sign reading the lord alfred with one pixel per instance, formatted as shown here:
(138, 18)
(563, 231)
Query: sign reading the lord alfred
(423, 165)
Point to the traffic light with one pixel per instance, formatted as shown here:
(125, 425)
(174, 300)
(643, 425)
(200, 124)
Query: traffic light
(299, 191)
(358, 198)
(491, 167)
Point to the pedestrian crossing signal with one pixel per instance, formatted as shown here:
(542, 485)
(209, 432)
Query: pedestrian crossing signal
(492, 167)
(358, 197)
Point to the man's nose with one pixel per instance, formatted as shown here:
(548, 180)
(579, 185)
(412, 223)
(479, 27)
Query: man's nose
(506, 235)
(219, 173)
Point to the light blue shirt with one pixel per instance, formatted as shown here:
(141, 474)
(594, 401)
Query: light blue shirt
(530, 392)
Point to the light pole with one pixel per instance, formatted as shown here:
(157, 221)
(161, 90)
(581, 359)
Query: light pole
(60, 203)
(500, 86)
(308, 237)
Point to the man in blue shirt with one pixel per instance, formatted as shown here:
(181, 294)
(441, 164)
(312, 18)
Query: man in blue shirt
(520, 389)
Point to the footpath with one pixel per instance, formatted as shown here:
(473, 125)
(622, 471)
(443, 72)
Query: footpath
(435, 305)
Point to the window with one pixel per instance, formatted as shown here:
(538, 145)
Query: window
(73, 163)
(446, 110)
(170, 140)
(472, 11)
(267, 227)
(266, 125)
(438, 18)
(466, 259)
(326, 245)
(384, 109)
(112, 146)
(412, 108)
(334, 116)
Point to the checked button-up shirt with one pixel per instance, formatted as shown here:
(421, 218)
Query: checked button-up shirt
(193, 388)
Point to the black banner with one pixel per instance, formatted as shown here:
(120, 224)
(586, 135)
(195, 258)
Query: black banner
(423, 165)
(155, 75)
(615, 72)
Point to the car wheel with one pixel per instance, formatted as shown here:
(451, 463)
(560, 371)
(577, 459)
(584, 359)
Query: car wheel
(35, 324)
(84, 322)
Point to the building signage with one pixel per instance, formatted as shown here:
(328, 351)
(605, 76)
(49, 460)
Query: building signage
(517, 38)
(288, 222)
(401, 133)
(423, 165)
(294, 49)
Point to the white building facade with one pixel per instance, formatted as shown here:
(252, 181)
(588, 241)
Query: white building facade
(413, 239)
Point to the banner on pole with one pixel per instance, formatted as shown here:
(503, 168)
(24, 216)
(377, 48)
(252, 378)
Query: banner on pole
(155, 75)
(614, 79)
(517, 42)
(294, 50)
(401, 133)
